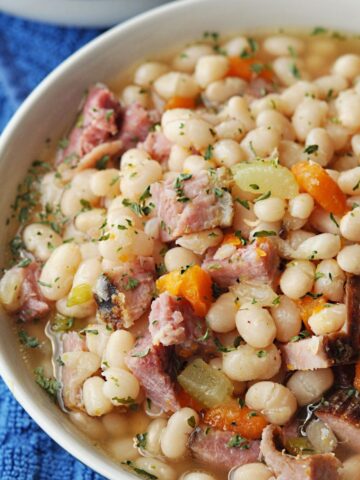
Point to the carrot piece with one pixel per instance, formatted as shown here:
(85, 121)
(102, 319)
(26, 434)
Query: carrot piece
(187, 400)
(317, 182)
(180, 102)
(231, 239)
(194, 284)
(308, 306)
(249, 68)
(357, 376)
(241, 420)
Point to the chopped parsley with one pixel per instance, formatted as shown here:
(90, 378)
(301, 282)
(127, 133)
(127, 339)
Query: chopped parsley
(191, 422)
(303, 334)
(254, 186)
(311, 149)
(142, 353)
(179, 187)
(139, 471)
(265, 233)
(355, 187)
(27, 340)
(24, 263)
(204, 337)
(219, 192)
(243, 203)
(86, 205)
(261, 353)
(237, 441)
(333, 219)
(50, 385)
(295, 71)
(314, 296)
(102, 162)
(276, 301)
(222, 347)
(208, 152)
(319, 31)
(238, 235)
(141, 440)
(132, 283)
(264, 196)
(140, 209)
(62, 323)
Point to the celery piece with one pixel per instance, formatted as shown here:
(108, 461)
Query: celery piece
(299, 446)
(80, 294)
(207, 385)
(261, 177)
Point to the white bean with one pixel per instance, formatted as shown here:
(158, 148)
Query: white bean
(251, 471)
(349, 259)
(197, 476)
(345, 162)
(82, 310)
(186, 60)
(174, 437)
(339, 135)
(136, 179)
(351, 468)
(289, 70)
(270, 209)
(40, 240)
(295, 238)
(177, 157)
(197, 163)
(256, 326)
(309, 114)
(133, 156)
(330, 85)
(347, 66)
(324, 222)
(321, 436)
(136, 94)
(348, 109)
(297, 279)
(301, 206)
(221, 315)
(105, 183)
(120, 387)
(178, 257)
(96, 342)
(319, 247)
(330, 280)
(247, 363)
(261, 142)
(289, 153)
(148, 72)
(355, 144)
(90, 222)
(349, 181)
(272, 101)
(199, 242)
(176, 84)
(221, 90)
(59, 270)
(155, 467)
(92, 427)
(286, 316)
(122, 449)
(186, 133)
(10, 289)
(294, 95)
(116, 424)
(211, 68)
(273, 119)
(238, 109)
(309, 386)
(153, 436)
(232, 129)
(276, 402)
(236, 46)
(117, 347)
(330, 319)
(350, 225)
(95, 403)
(227, 153)
(325, 148)
(282, 44)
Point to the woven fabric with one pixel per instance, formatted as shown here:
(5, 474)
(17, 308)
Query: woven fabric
(28, 52)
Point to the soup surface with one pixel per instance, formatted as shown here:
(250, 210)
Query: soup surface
(185, 273)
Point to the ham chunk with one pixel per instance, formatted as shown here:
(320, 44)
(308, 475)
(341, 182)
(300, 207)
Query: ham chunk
(150, 364)
(172, 321)
(125, 294)
(98, 123)
(157, 146)
(341, 412)
(287, 467)
(33, 303)
(78, 365)
(256, 261)
(136, 124)
(213, 447)
(192, 203)
(339, 348)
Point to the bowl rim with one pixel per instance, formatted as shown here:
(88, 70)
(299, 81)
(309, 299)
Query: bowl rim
(57, 433)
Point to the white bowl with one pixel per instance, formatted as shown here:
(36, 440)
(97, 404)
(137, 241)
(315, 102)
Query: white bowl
(51, 107)
(85, 13)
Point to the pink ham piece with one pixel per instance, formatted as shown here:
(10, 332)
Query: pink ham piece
(136, 124)
(125, 294)
(98, 123)
(172, 321)
(150, 365)
(71, 385)
(192, 203)
(341, 412)
(157, 146)
(257, 261)
(33, 303)
(211, 447)
(339, 348)
(287, 467)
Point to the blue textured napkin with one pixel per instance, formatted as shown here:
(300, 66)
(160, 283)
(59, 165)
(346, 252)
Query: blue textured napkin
(28, 52)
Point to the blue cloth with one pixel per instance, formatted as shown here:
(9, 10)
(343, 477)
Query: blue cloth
(28, 52)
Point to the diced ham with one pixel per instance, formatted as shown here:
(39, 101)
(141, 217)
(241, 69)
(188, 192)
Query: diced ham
(125, 294)
(98, 123)
(337, 348)
(78, 364)
(136, 124)
(286, 467)
(192, 203)
(150, 365)
(157, 146)
(341, 412)
(211, 447)
(33, 303)
(256, 261)
(172, 321)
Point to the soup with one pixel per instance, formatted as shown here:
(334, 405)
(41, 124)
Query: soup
(185, 277)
